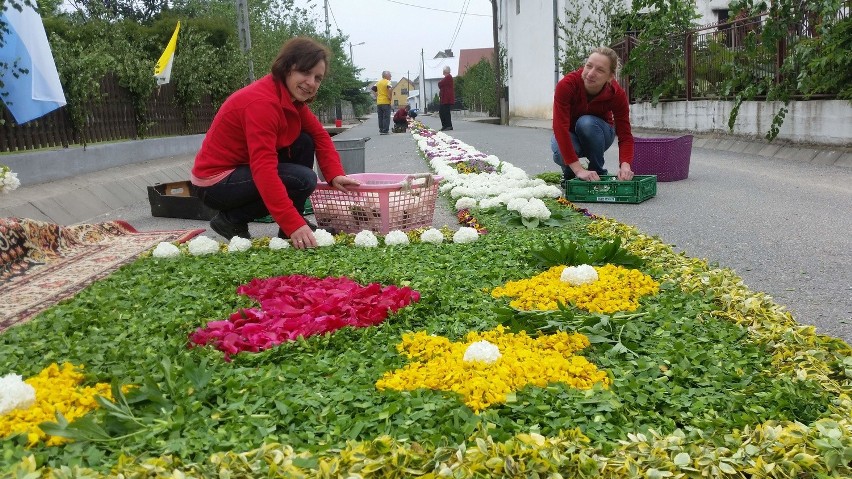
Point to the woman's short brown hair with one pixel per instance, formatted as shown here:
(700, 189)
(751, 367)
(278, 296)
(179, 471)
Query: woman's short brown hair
(301, 54)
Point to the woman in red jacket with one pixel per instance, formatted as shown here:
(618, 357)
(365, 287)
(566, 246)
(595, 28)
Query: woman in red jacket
(258, 155)
(589, 110)
(447, 92)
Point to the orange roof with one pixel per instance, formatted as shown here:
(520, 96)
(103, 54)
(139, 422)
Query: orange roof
(472, 56)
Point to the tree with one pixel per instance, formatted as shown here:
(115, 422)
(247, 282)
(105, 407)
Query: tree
(584, 30)
(474, 87)
(659, 26)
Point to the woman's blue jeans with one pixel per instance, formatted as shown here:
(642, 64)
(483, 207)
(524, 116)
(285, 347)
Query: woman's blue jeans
(237, 198)
(591, 137)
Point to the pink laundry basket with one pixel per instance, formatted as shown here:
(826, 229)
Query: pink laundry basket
(668, 158)
(382, 203)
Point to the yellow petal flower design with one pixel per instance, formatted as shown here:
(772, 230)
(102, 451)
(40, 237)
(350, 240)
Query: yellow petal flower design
(57, 389)
(437, 363)
(617, 289)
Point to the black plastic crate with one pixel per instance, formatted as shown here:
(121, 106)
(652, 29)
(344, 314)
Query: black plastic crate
(178, 199)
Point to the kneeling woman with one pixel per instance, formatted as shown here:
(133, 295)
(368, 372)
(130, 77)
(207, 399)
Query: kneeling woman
(258, 155)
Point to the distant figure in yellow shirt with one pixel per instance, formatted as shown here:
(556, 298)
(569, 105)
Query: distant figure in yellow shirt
(383, 102)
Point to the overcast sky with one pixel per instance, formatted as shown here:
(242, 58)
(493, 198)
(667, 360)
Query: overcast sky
(394, 31)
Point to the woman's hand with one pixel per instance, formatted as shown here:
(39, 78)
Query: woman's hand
(303, 238)
(625, 173)
(342, 182)
(588, 175)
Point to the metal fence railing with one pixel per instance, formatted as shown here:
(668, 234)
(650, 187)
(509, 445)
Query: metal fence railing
(110, 119)
(696, 65)
(113, 119)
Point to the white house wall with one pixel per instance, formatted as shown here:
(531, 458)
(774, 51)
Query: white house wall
(528, 37)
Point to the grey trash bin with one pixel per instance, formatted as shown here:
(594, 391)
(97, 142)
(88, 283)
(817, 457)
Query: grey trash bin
(351, 155)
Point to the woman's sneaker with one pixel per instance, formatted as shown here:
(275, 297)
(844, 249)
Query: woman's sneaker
(228, 230)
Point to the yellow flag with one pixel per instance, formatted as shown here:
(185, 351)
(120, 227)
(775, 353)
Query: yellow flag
(163, 69)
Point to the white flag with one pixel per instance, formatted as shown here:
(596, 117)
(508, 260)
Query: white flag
(34, 94)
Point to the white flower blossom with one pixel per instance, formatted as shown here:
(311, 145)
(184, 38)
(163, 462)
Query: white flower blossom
(202, 245)
(166, 250)
(8, 179)
(433, 236)
(15, 394)
(366, 239)
(396, 237)
(465, 234)
(577, 275)
(535, 208)
(323, 237)
(278, 243)
(482, 351)
(515, 204)
(465, 202)
(239, 244)
(490, 203)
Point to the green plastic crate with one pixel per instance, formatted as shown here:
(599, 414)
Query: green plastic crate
(610, 190)
(309, 210)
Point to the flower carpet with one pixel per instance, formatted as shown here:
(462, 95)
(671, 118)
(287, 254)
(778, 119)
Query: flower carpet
(538, 340)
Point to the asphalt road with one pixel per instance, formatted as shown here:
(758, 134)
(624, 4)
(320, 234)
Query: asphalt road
(784, 226)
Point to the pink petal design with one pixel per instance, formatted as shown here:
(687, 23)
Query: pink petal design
(297, 305)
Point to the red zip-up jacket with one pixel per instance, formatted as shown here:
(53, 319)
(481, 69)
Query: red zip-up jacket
(249, 129)
(570, 103)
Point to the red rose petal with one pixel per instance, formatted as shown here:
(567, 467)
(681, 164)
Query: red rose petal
(296, 305)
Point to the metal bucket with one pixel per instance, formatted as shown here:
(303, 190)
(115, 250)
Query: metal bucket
(351, 155)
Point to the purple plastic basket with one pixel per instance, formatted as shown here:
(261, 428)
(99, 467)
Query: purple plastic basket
(668, 158)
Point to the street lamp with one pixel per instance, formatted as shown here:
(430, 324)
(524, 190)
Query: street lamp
(351, 58)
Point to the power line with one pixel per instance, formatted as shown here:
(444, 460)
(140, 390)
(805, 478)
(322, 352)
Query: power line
(333, 18)
(459, 23)
(437, 9)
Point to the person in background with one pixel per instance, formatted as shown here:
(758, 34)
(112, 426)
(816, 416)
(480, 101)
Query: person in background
(258, 155)
(589, 110)
(446, 90)
(384, 92)
(400, 119)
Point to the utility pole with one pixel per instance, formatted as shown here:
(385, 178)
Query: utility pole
(351, 57)
(499, 74)
(243, 30)
(327, 26)
(422, 85)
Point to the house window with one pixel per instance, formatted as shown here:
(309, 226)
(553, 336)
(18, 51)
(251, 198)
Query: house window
(405, 91)
(517, 7)
(722, 15)
(510, 68)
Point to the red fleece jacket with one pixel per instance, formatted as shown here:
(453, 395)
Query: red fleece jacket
(249, 129)
(447, 90)
(570, 103)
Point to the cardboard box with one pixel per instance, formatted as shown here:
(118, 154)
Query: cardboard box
(178, 199)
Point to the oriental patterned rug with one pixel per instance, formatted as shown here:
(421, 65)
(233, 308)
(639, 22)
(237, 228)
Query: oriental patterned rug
(43, 263)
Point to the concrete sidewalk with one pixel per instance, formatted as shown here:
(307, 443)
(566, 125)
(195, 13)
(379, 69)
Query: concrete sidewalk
(776, 217)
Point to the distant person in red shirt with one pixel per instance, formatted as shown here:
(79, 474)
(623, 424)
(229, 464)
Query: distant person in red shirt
(258, 155)
(589, 110)
(447, 92)
(400, 119)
